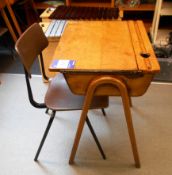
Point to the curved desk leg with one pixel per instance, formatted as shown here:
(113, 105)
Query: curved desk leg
(8, 25)
(126, 104)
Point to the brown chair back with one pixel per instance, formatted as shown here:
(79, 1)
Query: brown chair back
(30, 44)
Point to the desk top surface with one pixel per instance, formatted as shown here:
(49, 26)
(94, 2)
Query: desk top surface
(106, 46)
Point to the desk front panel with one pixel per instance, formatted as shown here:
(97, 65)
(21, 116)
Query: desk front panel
(137, 85)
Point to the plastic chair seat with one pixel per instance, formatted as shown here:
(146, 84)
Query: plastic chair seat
(59, 96)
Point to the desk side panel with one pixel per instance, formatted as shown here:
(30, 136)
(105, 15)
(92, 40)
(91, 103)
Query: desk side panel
(136, 86)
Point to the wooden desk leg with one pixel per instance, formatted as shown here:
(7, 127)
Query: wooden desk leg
(130, 102)
(13, 18)
(126, 104)
(68, 2)
(87, 102)
(8, 25)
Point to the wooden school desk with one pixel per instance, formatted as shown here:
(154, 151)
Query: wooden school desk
(113, 58)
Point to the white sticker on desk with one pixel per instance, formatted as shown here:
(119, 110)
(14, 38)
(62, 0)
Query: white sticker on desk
(63, 64)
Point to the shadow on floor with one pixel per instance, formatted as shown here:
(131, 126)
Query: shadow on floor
(165, 74)
(10, 63)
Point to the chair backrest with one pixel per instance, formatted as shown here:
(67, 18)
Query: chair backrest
(30, 44)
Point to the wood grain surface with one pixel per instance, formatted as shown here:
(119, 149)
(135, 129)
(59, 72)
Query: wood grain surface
(106, 46)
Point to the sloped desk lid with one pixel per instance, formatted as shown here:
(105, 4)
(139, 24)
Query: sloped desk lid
(107, 46)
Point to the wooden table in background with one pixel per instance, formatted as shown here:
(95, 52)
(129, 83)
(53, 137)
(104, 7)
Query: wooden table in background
(113, 58)
(8, 3)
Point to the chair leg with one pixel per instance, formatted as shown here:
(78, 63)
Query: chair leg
(45, 135)
(103, 111)
(47, 111)
(95, 137)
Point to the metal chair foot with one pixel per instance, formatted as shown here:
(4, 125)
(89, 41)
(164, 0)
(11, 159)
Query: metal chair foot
(45, 135)
(95, 138)
(103, 111)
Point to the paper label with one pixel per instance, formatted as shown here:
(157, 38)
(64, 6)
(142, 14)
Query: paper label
(63, 64)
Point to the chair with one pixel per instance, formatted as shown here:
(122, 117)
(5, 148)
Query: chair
(58, 96)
